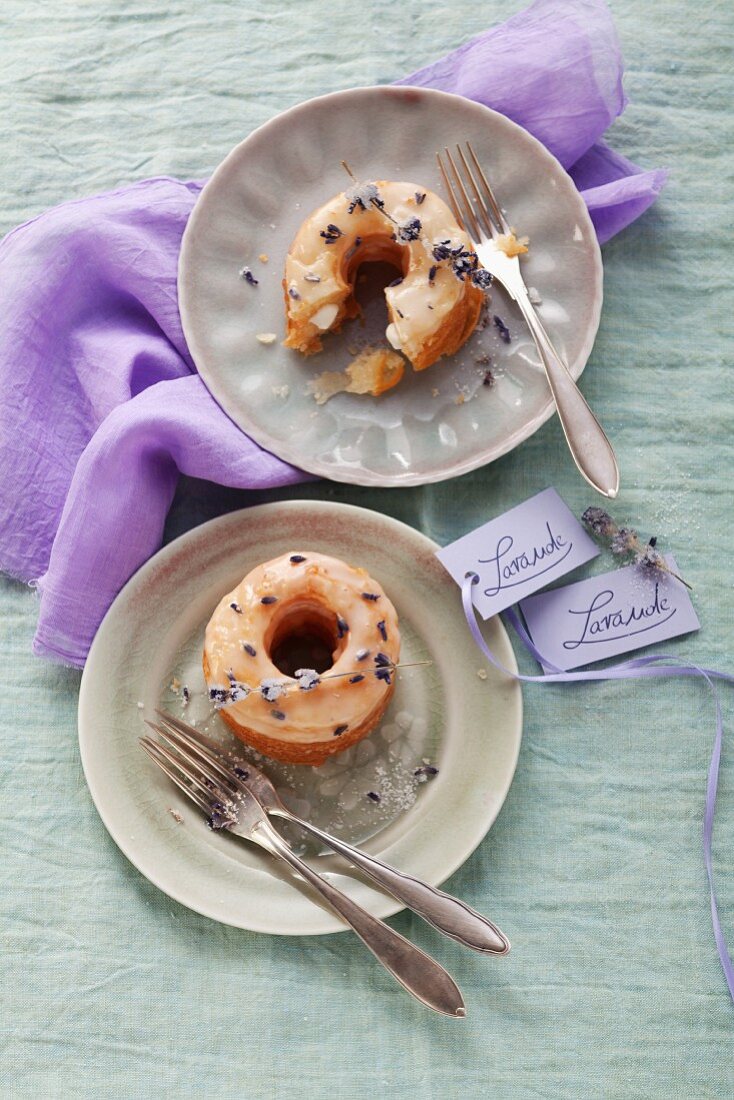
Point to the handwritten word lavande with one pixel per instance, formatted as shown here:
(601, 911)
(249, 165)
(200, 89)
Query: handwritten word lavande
(508, 570)
(613, 625)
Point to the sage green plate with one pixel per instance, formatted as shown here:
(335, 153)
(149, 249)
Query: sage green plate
(148, 649)
(440, 422)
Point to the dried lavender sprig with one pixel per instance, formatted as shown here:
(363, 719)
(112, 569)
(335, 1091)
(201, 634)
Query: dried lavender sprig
(625, 540)
(392, 666)
(650, 558)
(271, 689)
(376, 205)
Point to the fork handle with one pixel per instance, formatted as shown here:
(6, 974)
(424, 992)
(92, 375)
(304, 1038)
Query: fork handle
(448, 914)
(416, 971)
(591, 450)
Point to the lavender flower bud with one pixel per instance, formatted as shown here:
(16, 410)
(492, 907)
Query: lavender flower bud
(625, 541)
(600, 522)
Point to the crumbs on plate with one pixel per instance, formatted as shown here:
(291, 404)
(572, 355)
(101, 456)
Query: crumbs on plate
(512, 245)
(373, 371)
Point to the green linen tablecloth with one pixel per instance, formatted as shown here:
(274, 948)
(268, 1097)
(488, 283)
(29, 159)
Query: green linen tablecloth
(594, 867)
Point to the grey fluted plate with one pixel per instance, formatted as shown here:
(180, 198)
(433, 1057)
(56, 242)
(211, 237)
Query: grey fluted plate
(468, 726)
(435, 424)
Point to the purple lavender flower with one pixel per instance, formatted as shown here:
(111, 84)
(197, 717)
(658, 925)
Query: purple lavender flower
(363, 195)
(626, 541)
(271, 690)
(410, 229)
(481, 278)
(331, 233)
(308, 678)
(650, 558)
(502, 329)
(600, 523)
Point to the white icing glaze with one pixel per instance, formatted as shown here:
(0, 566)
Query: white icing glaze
(392, 336)
(329, 586)
(323, 318)
(416, 307)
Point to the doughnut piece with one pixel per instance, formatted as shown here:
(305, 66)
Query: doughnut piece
(435, 301)
(299, 658)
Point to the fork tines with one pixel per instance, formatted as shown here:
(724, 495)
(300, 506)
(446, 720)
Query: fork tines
(480, 214)
(195, 771)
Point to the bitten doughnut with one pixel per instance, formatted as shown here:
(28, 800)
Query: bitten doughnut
(434, 303)
(299, 659)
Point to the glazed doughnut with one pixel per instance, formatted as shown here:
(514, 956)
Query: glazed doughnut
(434, 304)
(299, 658)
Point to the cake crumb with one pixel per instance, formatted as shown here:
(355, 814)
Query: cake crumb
(266, 337)
(534, 297)
(434, 392)
(459, 399)
(263, 257)
(280, 391)
(175, 815)
(373, 371)
(482, 673)
(175, 685)
(512, 245)
(141, 705)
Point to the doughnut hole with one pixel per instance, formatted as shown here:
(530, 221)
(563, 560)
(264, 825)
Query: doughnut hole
(304, 634)
(375, 263)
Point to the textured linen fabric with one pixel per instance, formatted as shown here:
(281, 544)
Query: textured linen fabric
(102, 410)
(613, 988)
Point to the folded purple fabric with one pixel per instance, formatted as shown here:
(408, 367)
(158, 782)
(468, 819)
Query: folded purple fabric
(102, 408)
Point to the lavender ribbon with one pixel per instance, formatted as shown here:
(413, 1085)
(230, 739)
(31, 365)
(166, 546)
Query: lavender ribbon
(654, 665)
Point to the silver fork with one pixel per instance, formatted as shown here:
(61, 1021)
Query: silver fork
(446, 913)
(416, 971)
(481, 216)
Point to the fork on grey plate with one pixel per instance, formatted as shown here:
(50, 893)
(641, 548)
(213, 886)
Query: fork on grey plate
(479, 213)
(237, 796)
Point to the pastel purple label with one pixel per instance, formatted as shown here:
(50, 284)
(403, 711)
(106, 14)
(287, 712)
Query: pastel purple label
(607, 615)
(519, 552)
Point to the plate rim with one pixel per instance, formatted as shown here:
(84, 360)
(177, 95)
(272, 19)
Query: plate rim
(85, 720)
(344, 474)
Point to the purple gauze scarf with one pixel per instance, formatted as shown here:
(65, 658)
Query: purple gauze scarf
(102, 407)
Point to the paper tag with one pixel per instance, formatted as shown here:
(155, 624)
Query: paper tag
(519, 552)
(614, 613)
